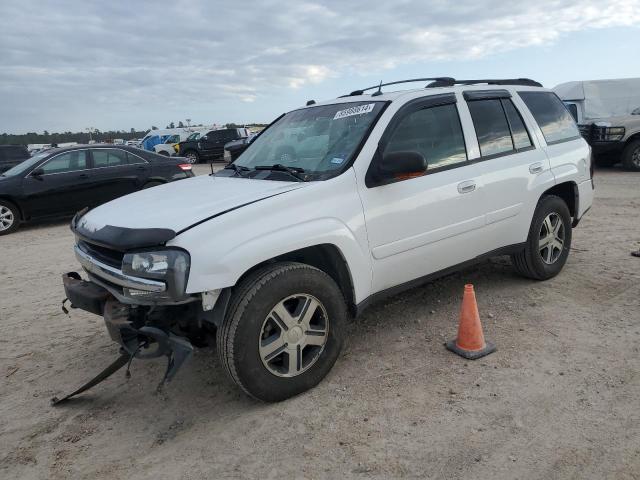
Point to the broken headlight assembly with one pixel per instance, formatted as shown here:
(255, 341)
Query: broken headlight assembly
(169, 266)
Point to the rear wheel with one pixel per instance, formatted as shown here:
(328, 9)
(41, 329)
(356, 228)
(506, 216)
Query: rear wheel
(283, 331)
(549, 240)
(631, 156)
(192, 157)
(9, 217)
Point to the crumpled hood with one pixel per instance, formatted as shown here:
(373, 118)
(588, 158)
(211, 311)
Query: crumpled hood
(180, 204)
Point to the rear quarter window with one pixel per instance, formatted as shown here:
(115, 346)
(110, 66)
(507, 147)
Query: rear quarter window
(552, 116)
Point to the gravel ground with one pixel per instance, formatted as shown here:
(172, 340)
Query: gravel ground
(559, 399)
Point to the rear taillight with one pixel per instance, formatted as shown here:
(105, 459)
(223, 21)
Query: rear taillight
(185, 166)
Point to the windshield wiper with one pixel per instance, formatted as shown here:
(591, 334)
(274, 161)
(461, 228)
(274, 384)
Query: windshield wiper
(237, 168)
(278, 167)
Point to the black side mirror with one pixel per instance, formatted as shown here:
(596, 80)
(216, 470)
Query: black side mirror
(401, 165)
(37, 173)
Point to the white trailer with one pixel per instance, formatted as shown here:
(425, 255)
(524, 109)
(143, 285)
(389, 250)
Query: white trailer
(591, 100)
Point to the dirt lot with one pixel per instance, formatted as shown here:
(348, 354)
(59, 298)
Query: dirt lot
(559, 399)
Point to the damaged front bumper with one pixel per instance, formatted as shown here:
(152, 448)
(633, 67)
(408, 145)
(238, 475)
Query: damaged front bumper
(142, 332)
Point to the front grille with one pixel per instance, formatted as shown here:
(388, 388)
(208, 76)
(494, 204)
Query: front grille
(107, 256)
(585, 131)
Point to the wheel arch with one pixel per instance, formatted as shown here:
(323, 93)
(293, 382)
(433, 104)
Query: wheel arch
(631, 138)
(326, 257)
(13, 201)
(567, 191)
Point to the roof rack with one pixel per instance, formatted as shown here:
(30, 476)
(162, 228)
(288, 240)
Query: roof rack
(447, 82)
(527, 82)
(379, 87)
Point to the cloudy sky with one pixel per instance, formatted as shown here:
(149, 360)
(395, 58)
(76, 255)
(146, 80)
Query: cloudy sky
(71, 64)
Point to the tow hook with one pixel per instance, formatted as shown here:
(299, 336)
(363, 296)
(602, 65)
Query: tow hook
(146, 342)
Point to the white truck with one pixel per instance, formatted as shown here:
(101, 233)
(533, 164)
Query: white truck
(275, 252)
(608, 114)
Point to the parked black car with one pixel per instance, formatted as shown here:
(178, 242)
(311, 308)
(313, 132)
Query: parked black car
(62, 181)
(12, 155)
(236, 147)
(209, 146)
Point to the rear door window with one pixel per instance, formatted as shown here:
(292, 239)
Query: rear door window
(499, 126)
(108, 157)
(492, 128)
(519, 132)
(554, 119)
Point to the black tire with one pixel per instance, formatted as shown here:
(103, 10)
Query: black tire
(152, 184)
(192, 156)
(9, 217)
(631, 156)
(530, 262)
(252, 302)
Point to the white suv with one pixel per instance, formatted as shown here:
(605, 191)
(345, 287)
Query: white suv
(334, 205)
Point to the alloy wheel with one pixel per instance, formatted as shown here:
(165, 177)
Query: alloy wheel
(551, 238)
(191, 158)
(635, 157)
(6, 218)
(293, 335)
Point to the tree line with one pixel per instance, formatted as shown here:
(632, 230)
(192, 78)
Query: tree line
(97, 135)
(64, 137)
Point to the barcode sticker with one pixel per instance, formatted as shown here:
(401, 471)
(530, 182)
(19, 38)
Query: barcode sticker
(359, 110)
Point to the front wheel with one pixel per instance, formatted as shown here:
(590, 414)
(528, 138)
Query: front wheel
(549, 241)
(9, 217)
(283, 331)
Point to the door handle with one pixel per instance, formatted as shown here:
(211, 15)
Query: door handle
(141, 168)
(83, 175)
(536, 168)
(467, 187)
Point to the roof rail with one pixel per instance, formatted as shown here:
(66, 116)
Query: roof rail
(500, 81)
(448, 82)
(379, 87)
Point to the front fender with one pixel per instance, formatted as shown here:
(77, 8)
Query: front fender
(225, 270)
(224, 248)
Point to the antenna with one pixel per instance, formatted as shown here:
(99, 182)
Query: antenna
(211, 165)
(379, 92)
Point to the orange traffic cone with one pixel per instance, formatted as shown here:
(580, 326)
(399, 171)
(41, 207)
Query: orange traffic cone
(470, 343)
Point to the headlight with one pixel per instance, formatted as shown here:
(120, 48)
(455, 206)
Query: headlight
(604, 133)
(614, 133)
(171, 266)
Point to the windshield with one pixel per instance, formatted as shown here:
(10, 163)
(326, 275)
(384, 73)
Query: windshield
(27, 164)
(194, 136)
(317, 141)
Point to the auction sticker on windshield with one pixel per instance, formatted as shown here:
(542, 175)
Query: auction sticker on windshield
(359, 110)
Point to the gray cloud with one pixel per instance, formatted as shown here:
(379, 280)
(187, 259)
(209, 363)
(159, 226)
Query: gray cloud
(68, 63)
